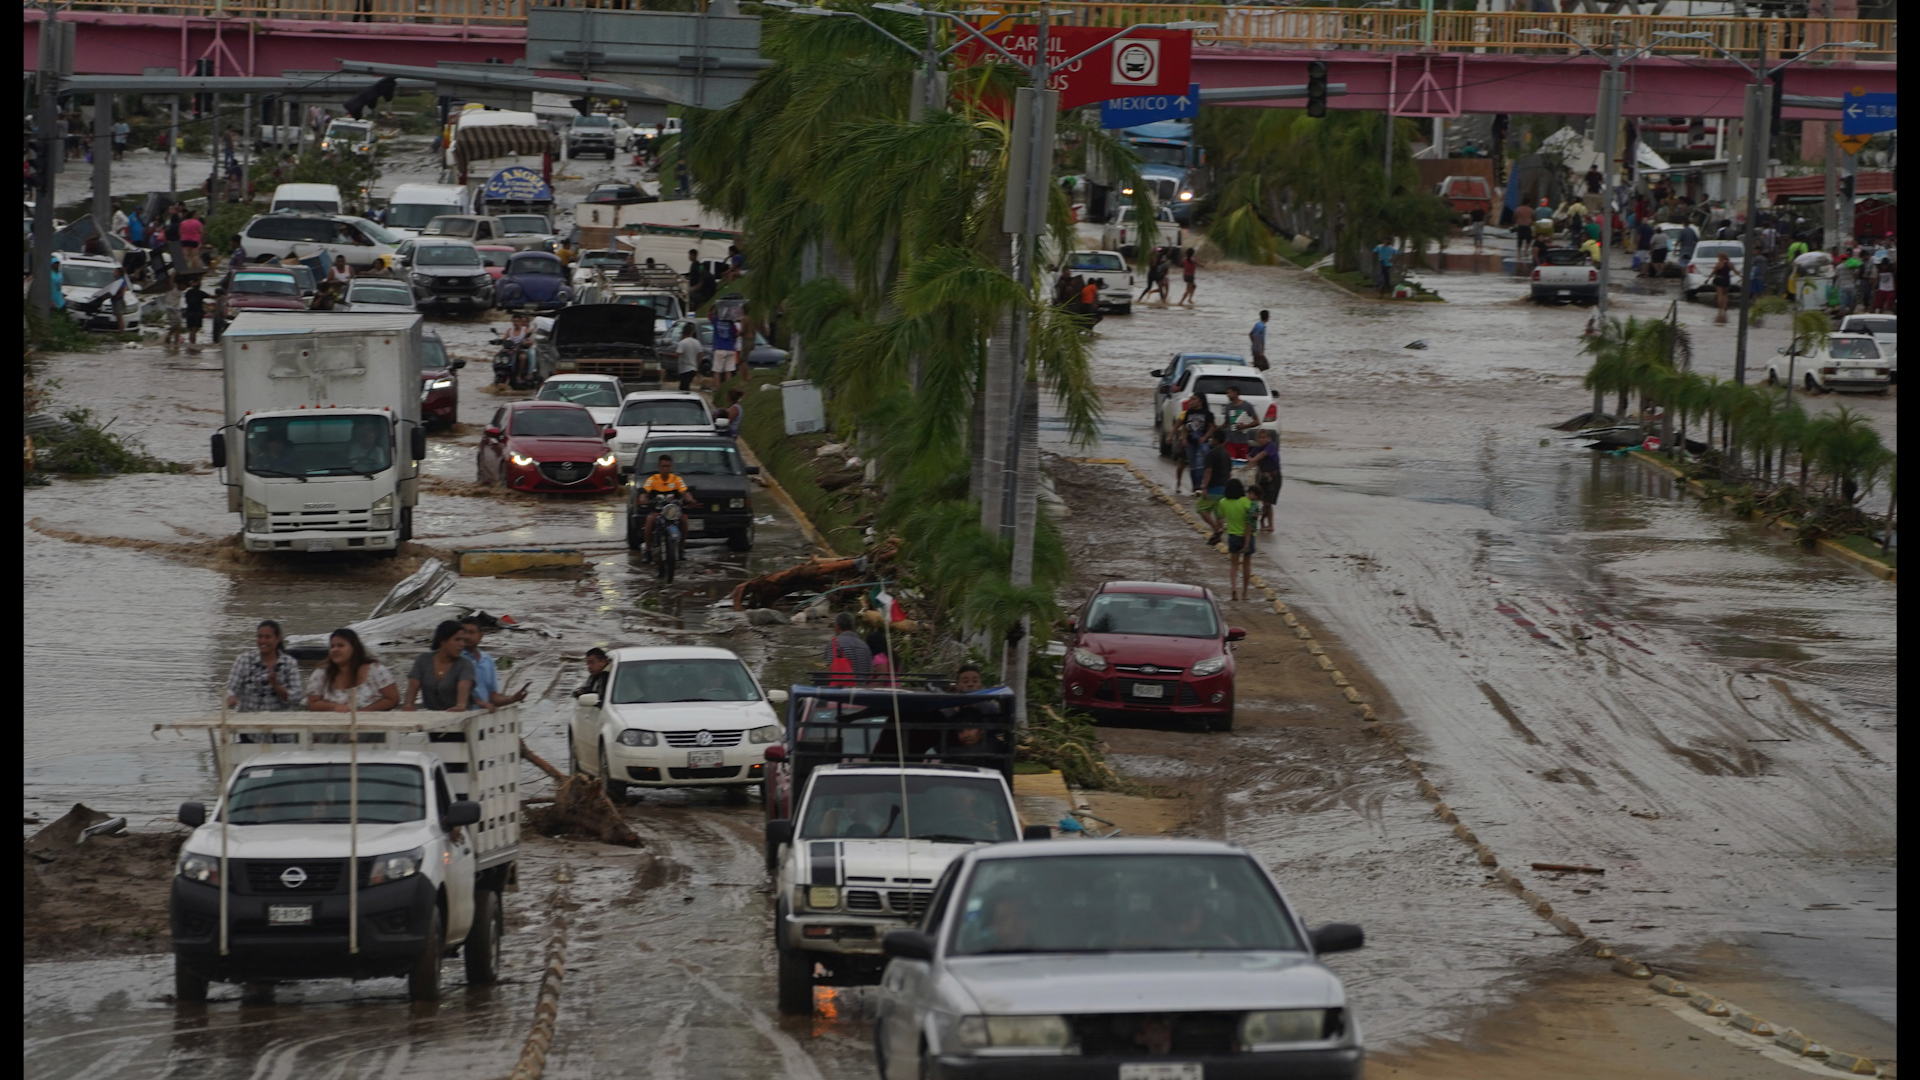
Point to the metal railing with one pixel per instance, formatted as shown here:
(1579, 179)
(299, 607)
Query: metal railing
(1297, 27)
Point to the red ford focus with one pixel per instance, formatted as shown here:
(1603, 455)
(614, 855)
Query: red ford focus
(1154, 648)
(547, 446)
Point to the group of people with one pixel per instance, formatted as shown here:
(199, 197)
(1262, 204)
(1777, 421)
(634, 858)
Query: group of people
(1209, 451)
(1160, 267)
(453, 675)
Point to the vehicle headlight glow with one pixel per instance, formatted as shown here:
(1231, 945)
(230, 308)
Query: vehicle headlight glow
(765, 734)
(1283, 1026)
(1210, 666)
(823, 897)
(384, 868)
(202, 868)
(1126, 191)
(440, 384)
(1090, 660)
(1028, 1032)
(636, 737)
(1186, 196)
(604, 460)
(521, 460)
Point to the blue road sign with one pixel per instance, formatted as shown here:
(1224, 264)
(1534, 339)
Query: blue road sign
(1867, 114)
(1134, 111)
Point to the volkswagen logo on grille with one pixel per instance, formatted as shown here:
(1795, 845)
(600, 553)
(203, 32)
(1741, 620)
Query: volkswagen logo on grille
(705, 738)
(293, 877)
(1149, 669)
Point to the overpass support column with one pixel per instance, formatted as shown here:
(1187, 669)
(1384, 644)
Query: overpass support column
(103, 163)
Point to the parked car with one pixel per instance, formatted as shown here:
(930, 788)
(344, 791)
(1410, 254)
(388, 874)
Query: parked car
(1213, 380)
(667, 312)
(307, 198)
(494, 257)
(81, 279)
(533, 281)
(589, 265)
(1174, 377)
(345, 135)
(1565, 275)
(1147, 647)
(716, 477)
(439, 383)
(304, 236)
(1705, 255)
(1884, 331)
(1151, 958)
(599, 394)
(369, 295)
(1117, 297)
(1122, 234)
(1465, 194)
(449, 274)
(1851, 362)
(262, 288)
(674, 716)
(546, 446)
(481, 229)
(661, 412)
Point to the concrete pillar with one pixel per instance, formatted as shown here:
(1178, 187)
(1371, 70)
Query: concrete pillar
(103, 162)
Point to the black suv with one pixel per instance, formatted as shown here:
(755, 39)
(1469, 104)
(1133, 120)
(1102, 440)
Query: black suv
(715, 474)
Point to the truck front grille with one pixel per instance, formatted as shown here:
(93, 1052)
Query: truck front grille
(1141, 1034)
(692, 738)
(284, 521)
(723, 772)
(270, 877)
(908, 901)
(863, 900)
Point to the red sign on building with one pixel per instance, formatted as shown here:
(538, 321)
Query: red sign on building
(1139, 63)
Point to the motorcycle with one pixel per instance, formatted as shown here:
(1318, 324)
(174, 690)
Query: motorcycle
(663, 553)
(512, 364)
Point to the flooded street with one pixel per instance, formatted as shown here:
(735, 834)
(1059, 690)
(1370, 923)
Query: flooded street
(1590, 669)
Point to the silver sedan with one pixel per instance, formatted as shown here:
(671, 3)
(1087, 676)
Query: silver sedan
(1127, 959)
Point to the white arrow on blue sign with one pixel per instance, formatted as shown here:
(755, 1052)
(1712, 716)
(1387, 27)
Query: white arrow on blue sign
(1868, 114)
(1134, 111)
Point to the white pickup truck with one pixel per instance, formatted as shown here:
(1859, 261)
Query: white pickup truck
(424, 805)
(1565, 275)
(858, 832)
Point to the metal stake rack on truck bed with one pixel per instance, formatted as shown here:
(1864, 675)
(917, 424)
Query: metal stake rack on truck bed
(480, 749)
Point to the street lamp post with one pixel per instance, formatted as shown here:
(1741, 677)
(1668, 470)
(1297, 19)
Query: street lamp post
(1758, 152)
(1607, 124)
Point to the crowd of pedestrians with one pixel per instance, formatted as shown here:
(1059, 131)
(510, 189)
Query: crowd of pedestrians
(454, 675)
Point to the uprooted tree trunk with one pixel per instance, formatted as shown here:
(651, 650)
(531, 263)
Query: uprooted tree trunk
(580, 805)
(813, 575)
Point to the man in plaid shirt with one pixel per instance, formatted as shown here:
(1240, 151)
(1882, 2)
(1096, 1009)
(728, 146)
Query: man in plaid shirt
(264, 679)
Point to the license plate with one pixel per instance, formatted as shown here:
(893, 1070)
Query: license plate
(319, 545)
(289, 914)
(1566, 292)
(1854, 373)
(704, 759)
(1183, 1070)
(694, 525)
(1152, 690)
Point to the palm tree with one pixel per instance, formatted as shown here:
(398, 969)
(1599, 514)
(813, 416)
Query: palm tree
(1690, 396)
(1850, 451)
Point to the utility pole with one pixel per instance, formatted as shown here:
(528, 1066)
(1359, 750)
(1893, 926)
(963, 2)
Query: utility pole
(102, 163)
(1759, 108)
(173, 148)
(52, 59)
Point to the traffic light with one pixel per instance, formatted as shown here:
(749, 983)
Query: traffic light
(1779, 94)
(365, 99)
(1316, 88)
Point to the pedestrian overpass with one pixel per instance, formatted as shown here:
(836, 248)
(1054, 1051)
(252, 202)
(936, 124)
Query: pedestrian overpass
(1414, 63)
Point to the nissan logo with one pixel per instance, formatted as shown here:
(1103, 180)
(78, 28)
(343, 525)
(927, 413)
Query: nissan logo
(705, 738)
(293, 877)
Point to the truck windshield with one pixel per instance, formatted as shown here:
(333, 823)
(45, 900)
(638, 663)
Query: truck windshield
(655, 682)
(1161, 153)
(452, 226)
(1248, 385)
(319, 446)
(1121, 903)
(382, 293)
(1097, 260)
(446, 255)
(266, 284)
(416, 215)
(607, 259)
(525, 225)
(867, 805)
(320, 794)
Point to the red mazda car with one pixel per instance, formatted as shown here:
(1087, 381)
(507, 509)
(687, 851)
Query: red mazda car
(1154, 648)
(547, 446)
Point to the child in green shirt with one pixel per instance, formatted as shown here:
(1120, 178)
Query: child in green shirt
(1237, 511)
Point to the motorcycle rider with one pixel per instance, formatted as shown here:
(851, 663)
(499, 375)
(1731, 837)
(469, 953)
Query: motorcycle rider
(518, 339)
(664, 482)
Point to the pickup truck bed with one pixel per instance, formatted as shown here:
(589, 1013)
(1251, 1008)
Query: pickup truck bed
(1565, 276)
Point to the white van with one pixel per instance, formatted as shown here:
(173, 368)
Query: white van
(413, 205)
(307, 198)
(305, 236)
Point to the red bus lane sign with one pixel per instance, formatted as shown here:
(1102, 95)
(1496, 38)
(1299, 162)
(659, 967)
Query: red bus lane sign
(1142, 62)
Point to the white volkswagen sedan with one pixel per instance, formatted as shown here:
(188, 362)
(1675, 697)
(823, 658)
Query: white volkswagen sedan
(675, 716)
(1130, 958)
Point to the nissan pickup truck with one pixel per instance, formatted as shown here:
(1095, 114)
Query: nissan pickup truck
(422, 806)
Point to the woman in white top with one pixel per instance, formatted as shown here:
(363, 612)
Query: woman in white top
(350, 679)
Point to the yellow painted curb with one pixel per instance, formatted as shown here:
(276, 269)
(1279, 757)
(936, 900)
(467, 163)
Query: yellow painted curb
(1302, 632)
(1709, 1004)
(1325, 661)
(1751, 1024)
(1366, 713)
(1353, 695)
(1046, 785)
(1313, 650)
(1634, 969)
(1565, 925)
(807, 528)
(1670, 986)
(1799, 1044)
(1465, 834)
(1486, 855)
(1445, 813)
(1851, 1063)
(1340, 680)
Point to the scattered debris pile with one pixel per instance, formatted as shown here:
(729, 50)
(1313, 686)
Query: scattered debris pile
(90, 886)
(579, 806)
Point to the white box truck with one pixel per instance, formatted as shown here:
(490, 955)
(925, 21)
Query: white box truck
(414, 205)
(322, 443)
(424, 805)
